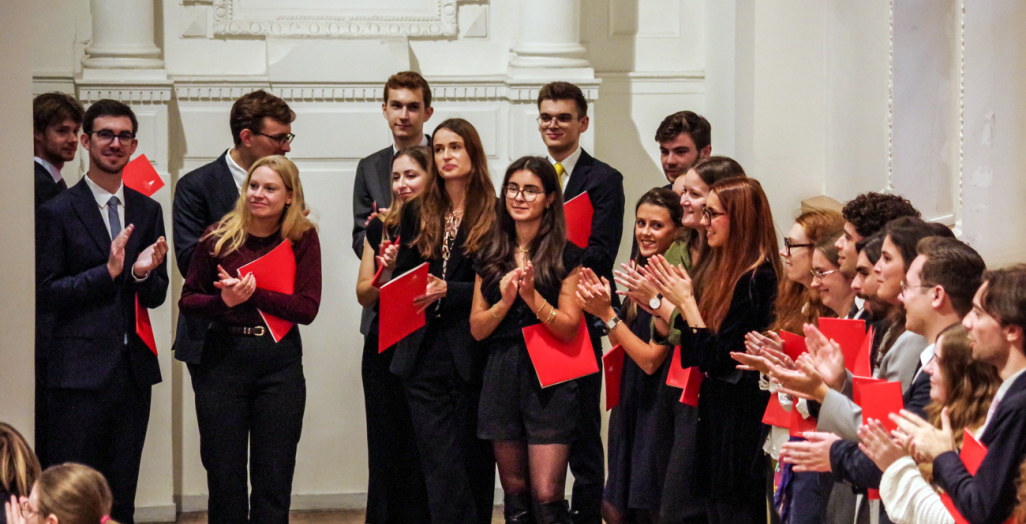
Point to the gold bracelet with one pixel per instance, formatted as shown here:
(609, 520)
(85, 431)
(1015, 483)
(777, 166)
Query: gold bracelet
(544, 303)
(552, 315)
(492, 311)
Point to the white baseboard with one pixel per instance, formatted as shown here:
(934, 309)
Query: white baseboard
(166, 513)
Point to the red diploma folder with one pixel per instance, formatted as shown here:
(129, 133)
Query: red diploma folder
(143, 328)
(579, 213)
(863, 366)
(775, 414)
(140, 176)
(880, 400)
(857, 384)
(689, 380)
(275, 271)
(972, 456)
(847, 333)
(798, 424)
(557, 362)
(612, 363)
(397, 316)
(794, 345)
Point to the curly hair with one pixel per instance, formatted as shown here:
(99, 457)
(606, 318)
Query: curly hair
(870, 212)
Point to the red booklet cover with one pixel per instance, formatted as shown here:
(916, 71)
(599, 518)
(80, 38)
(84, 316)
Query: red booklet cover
(275, 271)
(857, 383)
(397, 316)
(972, 456)
(863, 366)
(794, 345)
(140, 176)
(143, 328)
(880, 400)
(612, 363)
(689, 379)
(847, 333)
(775, 414)
(798, 424)
(556, 362)
(579, 213)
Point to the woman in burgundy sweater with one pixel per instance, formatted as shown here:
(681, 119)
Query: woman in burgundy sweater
(250, 390)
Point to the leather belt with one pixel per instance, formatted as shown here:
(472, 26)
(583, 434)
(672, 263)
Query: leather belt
(250, 331)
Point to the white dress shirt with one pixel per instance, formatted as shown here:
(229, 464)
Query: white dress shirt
(50, 168)
(423, 142)
(237, 172)
(568, 164)
(102, 197)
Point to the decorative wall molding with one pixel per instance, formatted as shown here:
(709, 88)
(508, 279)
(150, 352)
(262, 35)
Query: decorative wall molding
(437, 20)
(129, 93)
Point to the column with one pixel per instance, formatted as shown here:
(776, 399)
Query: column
(122, 45)
(550, 41)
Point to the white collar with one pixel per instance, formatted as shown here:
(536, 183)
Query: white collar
(102, 196)
(423, 142)
(50, 168)
(237, 172)
(569, 162)
(924, 358)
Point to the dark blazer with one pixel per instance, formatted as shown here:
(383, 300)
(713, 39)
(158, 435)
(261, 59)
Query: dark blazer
(46, 188)
(452, 320)
(202, 197)
(373, 185)
(989, 497)
(94, 312)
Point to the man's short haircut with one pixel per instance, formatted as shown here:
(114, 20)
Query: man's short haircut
(1005, 296)
(870, 212)
(249, 112)
(954, 266)
(564, 91)
(409, 80)
(52, 109)
(687, 122)
(906, 232)
(108, 107)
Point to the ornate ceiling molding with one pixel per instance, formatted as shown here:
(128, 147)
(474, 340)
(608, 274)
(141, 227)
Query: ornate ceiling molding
(230, 19)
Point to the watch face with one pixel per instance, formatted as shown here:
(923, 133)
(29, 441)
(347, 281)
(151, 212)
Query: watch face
(654, 302)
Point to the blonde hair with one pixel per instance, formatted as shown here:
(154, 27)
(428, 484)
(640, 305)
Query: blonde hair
(19, 467)
(232, 230)
(75, 494)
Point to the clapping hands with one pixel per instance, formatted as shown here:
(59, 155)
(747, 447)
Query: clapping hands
(235, 291)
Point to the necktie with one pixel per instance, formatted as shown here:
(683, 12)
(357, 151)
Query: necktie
(561, 172)
(112, 217)
(62, 184)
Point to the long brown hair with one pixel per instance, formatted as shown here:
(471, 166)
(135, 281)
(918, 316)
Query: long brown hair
(797, 304)
(545, 251)
(751, 242)
(479, 210)
(75, 494)
(19, 467)
(423, 157)
(971, 383)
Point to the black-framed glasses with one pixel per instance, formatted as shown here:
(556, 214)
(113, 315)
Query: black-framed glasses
(106, 136)
(710, 215)
(788, 245)
(280, 139)
(820, 275)
(562, 119)
(530, 193)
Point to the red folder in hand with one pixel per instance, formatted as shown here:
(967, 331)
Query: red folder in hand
(143, 328)
(794, 345)
(555, 361)
(579, 213)
(775, 414)
(798, 424)
(863, 367)
(612, 363)
(687, 379)
(880, 400)
(972, 456)
(275, 271)
(397, 316)
(140, 176)
(847, 333)
(857, 384)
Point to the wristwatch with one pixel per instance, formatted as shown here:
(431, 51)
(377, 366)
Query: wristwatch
(655, 302)
(611, 324)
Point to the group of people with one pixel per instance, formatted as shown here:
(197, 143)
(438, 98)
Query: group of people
(698, 308)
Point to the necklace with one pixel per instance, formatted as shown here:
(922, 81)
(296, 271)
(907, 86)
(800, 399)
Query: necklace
(522, 249)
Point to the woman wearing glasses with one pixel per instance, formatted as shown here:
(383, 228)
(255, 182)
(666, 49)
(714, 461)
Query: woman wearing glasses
(731, 294)
(440, 364)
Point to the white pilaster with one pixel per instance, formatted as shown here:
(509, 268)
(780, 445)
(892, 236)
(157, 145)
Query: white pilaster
(122, 45)
(550, 41)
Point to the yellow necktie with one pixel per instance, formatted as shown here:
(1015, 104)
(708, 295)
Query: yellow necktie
(561, 172)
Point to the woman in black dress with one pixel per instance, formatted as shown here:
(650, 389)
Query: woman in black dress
(395, 486)
(440, 365)
(733, 293)
(526, 275)
(641, 425)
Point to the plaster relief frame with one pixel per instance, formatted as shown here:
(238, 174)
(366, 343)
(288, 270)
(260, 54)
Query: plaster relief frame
(232, 18)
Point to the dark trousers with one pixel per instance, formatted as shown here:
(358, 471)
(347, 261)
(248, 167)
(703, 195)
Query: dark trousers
(41, 413)
(395, 489)
(104, 429)
(250, 399)
(587, 458)
(810, 495)
(459, 468)
(750, 510)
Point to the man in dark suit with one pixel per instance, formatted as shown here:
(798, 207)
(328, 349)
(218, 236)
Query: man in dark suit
(56, 121)
(261, 125)
(407, 107)
(101, 249)
(563, 116)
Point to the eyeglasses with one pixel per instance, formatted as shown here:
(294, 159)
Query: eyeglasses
(280, 139)
(530, 193)
(905, 287)
(106, 136)
(788, 245)
(711, 215)
(820, 275)
(562, 119)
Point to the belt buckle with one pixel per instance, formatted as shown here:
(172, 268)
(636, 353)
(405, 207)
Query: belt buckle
(257, 331)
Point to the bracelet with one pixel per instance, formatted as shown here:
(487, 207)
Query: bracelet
(544, 303)
(552, 315)
(492, 311)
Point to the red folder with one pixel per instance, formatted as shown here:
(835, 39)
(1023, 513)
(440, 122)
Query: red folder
(880, 400)
(689, 379)
(775, 414)
(794, 345)
(798, 424)
(579, 213)
(143, 328)
(397, 316)
(863, 366)
(275, 271)
(377, 283)
(972, 456)
(612, 363)
(858, 383)
(556, 362)
(140, 176)
(847, 333)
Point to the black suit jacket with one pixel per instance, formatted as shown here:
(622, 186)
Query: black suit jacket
(202, 197)
(373, 185)
(46, 188)
(94, 312)
(451, 322)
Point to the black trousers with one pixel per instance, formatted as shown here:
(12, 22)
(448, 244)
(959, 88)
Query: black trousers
(104, 429)
(41, 413)
(250, 399)
(396, 493)
(459, 468)
(587, 458)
